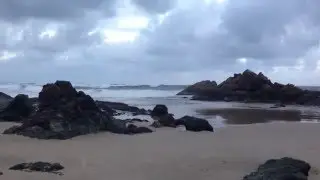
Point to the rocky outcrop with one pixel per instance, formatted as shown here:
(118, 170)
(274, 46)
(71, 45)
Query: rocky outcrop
(162, 117)
(62, 114)
(194, 124)
(18, 108)
(251, 87)
(201, 86)
(39, 167)
(281, 169)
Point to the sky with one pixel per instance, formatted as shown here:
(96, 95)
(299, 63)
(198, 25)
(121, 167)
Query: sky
(158, 41)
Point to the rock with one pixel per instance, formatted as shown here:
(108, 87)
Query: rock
(1, 173)
(251, 87)
(281, 169)
(198, 87)
(5, 97)
(38, 166)
(112, 106)
(125, 127)
(68, 114)
(160, 114)
(17, 109)
(278, 105)
(136, 120)
(159, 110)
(194, 124)
(133, 129)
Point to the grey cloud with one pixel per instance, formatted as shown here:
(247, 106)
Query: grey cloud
(155, 6)
(16, 10)
(271, 32)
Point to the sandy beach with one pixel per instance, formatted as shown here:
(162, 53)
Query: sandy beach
(229, 153)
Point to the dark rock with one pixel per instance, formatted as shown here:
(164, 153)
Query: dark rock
(17, 109)
(112, 106)
(133, 129)
(125, 127)
(67, 115)
(38, 166)
(136, 120)
(159, 110)
(281, 169)
(1, 173)
(278, 105)
(160, 114)
(251, 87)
(194, 124)
(5, 97)
(199, 87)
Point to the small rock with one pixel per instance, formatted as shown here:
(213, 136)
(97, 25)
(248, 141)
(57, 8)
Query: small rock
(1, 173)
(38, 166)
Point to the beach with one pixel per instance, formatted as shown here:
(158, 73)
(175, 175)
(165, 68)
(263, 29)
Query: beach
(228, 153)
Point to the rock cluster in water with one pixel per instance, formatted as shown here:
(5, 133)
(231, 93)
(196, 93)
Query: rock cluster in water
(251, 87)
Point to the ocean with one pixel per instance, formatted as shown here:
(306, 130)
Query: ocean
(219, 114)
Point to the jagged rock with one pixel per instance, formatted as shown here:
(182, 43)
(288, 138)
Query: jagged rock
(20, 107)
(194, 124)
(199, 87)
(38, 166)
(68, 114)
(160, 114)
(251, 87)
(281, 169)
(5, 97)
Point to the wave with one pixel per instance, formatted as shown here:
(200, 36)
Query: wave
(104, 91)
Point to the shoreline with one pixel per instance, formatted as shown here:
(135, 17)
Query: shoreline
(228, 153)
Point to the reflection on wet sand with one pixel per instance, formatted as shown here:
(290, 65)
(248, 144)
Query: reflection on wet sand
(251, 116)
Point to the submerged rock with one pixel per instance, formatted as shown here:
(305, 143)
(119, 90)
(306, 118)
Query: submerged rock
(38, 166)
(281, 169)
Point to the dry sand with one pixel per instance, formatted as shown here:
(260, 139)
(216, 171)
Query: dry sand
(227, 154)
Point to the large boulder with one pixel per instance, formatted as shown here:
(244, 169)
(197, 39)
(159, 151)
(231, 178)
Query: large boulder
(160, 114)
(20, 107)
(281, 169)
(194, 124)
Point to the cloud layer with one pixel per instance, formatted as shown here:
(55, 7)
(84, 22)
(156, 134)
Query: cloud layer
(160, 41)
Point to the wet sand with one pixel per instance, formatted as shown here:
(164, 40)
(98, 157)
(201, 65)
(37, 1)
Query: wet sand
(169, 154)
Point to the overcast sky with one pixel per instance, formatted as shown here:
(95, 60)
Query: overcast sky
(158, 41)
